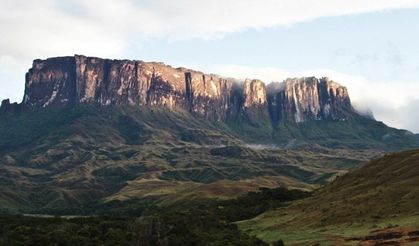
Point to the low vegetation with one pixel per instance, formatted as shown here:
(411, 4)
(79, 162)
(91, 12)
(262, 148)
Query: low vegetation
(380, 196)
(73, 157)
(205, 223)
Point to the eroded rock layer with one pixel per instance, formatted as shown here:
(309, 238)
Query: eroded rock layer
(303, 99)
(67, 81)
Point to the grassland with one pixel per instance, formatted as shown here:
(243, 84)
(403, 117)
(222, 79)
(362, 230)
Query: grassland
(380, 197)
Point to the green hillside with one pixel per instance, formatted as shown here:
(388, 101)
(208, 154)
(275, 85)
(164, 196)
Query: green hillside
(380, 198)
(57, 161)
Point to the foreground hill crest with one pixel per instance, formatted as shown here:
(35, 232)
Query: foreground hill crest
(67, 81)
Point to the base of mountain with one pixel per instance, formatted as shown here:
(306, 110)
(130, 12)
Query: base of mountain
(60, 158)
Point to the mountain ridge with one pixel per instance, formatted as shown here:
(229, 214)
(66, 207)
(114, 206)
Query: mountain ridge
(72, 80)
(278, 113)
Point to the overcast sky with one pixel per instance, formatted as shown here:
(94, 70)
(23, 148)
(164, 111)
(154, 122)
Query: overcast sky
(372, 47)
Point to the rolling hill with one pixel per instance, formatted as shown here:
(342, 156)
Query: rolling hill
(374, 203)
(52, 159)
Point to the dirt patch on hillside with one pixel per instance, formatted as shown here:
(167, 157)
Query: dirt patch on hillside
(399, 236)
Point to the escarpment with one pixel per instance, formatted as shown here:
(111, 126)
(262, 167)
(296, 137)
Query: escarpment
(304, 99)
(68, 81)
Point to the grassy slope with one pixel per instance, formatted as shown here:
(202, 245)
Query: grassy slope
(357, 132)
(55, 158)
(59, 158)
(382, 192)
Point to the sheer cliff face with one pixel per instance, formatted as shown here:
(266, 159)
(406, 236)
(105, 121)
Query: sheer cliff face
(66, 81)
(254, 93)
(51, 83)
(304, 99)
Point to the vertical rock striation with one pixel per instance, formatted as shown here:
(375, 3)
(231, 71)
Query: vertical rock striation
(67, 81)
(51, 82)
(254, 93)
(304, 99)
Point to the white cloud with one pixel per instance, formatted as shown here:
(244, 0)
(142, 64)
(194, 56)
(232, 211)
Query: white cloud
(105, 27)
(410, 115)
(198, 18)
(12, 77)
(394, 103)
(193, 18)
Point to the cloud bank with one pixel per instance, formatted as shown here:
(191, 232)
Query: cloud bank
(107, 27)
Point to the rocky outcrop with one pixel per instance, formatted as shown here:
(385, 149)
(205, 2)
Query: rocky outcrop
(303, 99)
(254, 93)
(67, 81)
(7, 107)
